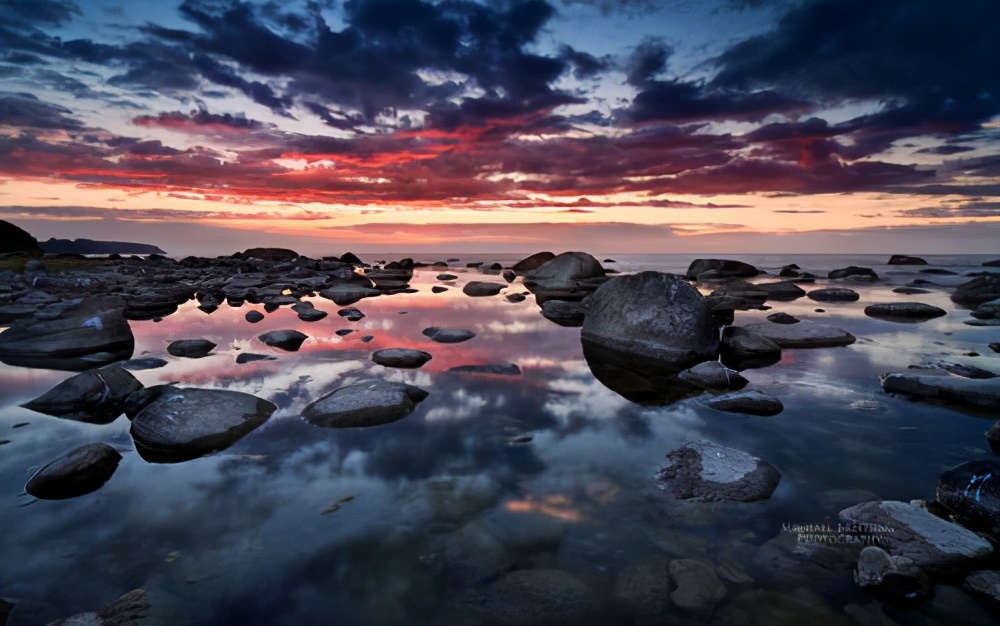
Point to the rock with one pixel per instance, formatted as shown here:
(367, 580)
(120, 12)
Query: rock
(967, 371)
(698, 587)
(563, 312)
(311, 314)
(984, 584)
(993, 437)
(709, 472)
(509, 275)
(367, 338)
(448, 335)
(805, 334)
(500, 369)
(191, 348)
(833, 294)
(792, 556)
(977, 291)
(345, 294)
(902, 259)
(963, 391)
(515, 297)
(971, 491)
(96, 396)
(478, 288)
(80, 471)
(533, 262)
(438, 289)
(250, 357)
(16, 239)
(254, 316)
(148, 363)
(401, 357)
(351, 258)
(289, 340)
(853, 270)
(447, 277)
(643, 587)
(939, 272)
(714, 376)
(781, 290)
(895, 580)
(782, 318)
(720, 268)
(910, 290)
(569, 276)
(908, 311)
(343, 332)
(185, 423)
(128, 609)
(654, 316)
(905, 530)
(473, 555)
(271, 254)
(987, 310)
(364, 404)
(765, 607)
(742, 348)
(752, 402)
(742, 290)
(351, 314)
(995, 346)
(75, 335)
(537, 597)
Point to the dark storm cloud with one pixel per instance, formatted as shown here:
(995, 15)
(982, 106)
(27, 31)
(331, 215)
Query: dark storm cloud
(584, 65)
(37, 12)
(647, 60)
(199, 118)
(23, 110)
(680, 102)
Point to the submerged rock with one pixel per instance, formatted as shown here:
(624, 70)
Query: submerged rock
(720, 268)
(190, 348)
(971, 491)
(714, 376)
(289, 340)
(805, 334)
(764, 607)
(448, 335)
(185, 423)
(834, 294)
(975, 392)
(908, 311)
(401, 357)
(977, 291)
(473, 555)
(698, 587)
(478, 288)
(127, 609)
(364, 404)
(644, 588)
(96, 396)
(709, 472)
(78, 472)
(537, 597)
(752, 402)
(893, 579)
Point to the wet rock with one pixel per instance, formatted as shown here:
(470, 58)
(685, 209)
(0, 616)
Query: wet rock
(509, 275)
(447, 277)
(833, 294)
(500, 369)
(987, 310)
(805, 334)
(128, 609)
(96, 396)
(742, 348)
(563, 312)
(364, 404)
(438, 289)
(289, 340)
(782, 290)
(537, 597)
(533, 262)
(147, 363)
(709, 472)
(75, 335)
(654, 316)
(515, 297)
(963, 391)
(644, 588)
(448, 335)
(185, 423)
(782, 318)
(977, 291)
(751, 402)
(720, 268)
(906, 311)
(910, 290)
(984, 584)
(853, 270)
(250, 357)
(253, 316)
(473, 555)
(742, 290)
(191, 348)
(971, 491)
(401, 357)
(271, 254)
(311, 314)
(993, 437)
(345, 294)
(786, 560)
(714, 376)
(902, 259)
(770, 608)
(895, 580)
(698, 587)
(367, 338)
(351, 314)
(78, 472)
(932, 543)
(478, 288)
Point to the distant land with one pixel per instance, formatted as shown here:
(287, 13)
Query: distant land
(89, 246)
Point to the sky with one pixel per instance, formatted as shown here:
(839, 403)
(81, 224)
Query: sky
(613, 126)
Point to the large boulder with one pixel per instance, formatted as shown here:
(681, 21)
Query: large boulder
(742, 348)
(96, 396)
(185, 423)
(75, 335)
(977, 291)
(973, 392)
(364, 404)
(289, 339)
(805, 334)
(709, 472)
(653, 316)
(853, 270)
(904, 311)
(720, 268)
(569, 276)
(971, 491)
(533, 262)
(78, 472)
(902, 259)
(16, 239)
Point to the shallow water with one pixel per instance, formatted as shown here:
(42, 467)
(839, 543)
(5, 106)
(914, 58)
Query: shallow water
(250, 535)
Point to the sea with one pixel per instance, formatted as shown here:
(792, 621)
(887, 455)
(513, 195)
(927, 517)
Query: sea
(423, 521)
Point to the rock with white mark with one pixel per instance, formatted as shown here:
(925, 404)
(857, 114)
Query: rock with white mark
(707, 472)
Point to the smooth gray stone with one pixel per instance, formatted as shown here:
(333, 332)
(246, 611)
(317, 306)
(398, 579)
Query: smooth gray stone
(974, 392)
(708, 472)
(191, 348)
(448, 335)
(805, 334)
(365, 404)
(401, 357)
(80, 471)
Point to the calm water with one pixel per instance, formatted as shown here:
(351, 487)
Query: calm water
(246, 536)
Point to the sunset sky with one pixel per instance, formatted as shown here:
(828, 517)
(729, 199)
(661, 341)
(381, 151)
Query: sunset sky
(209, 126)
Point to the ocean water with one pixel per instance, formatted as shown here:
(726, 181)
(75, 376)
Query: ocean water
(253, 534)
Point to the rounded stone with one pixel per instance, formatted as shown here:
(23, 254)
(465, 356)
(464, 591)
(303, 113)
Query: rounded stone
(78, 472)
(401, 357)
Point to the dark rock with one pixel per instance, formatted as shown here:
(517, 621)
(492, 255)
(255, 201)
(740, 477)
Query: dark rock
(478, 288)
(289, 340)
(709, 472)
(129, 608)
(740, 289)
(80, 471)
(533, 262)
(364, 404)
(993, 263)
(401, 357)
(938, 271)
(782, 290)
(752, 402)
(352, 314)
(76, 335)
(186, 423)
(312, 315)
(565, 270)
(563, 312)
(447, 277)
(971, 491)
(343, 332)
(713, 376)
(509, 275)
(910, 290)
(16, 239)
(977, 291)
(643, 587)
(147, 363)
(517, 297)
(964, 391)
(853, 270)
(984, 584)
(653, 315)
(537, 597)
(993, 437)
(250, 357)
(698, 587)
(254, 316)
(367, 338)
(271, 254)
(995, 346)
(96, 396)
(782, 318)
(908, 311)
(987, 311)
(895, 580)
(191, 348)
(438, 289)
(742, 348)
(448, 335)
(473, 264)
(967, 371)
(764, 607)
(351, 259)
(902, 259)
(720, 268)
(502, 369)
(834, 294)
(805, 334)
(473, 555)
(345, 294)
